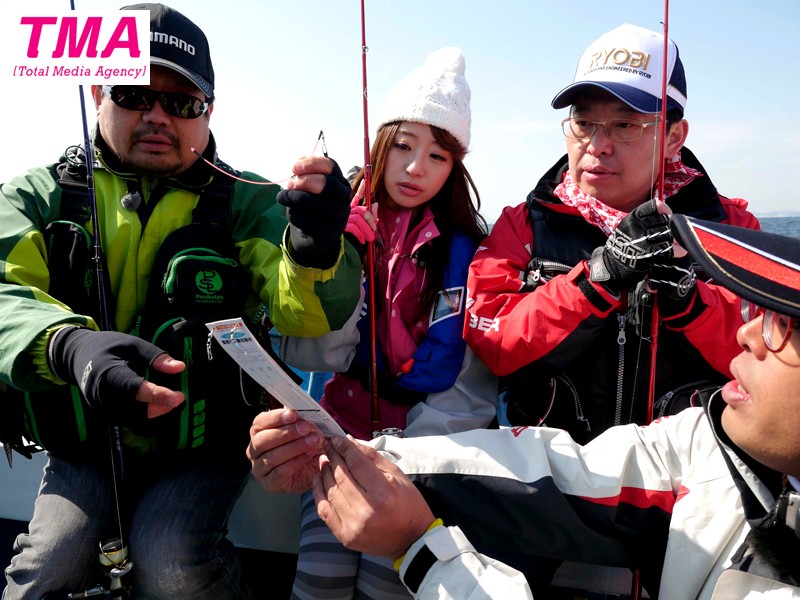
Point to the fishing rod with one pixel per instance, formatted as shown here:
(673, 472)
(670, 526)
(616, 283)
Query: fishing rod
(375, 416)
(636, 583)
(115, 564)
(113, 553)
(662, 134)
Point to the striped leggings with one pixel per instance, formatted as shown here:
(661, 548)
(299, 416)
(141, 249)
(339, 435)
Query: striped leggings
(326, 570)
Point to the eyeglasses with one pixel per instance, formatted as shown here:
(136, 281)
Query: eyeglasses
(617, 130)
(134, 97)
(776, 328)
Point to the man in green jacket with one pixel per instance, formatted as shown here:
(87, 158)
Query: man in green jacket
(83, 348)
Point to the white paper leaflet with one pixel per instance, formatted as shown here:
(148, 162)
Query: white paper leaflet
(237, 340)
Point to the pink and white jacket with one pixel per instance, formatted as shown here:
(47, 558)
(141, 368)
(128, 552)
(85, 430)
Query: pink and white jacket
(444, 388)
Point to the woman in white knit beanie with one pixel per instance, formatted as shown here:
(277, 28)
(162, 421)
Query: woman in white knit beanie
(425, 231)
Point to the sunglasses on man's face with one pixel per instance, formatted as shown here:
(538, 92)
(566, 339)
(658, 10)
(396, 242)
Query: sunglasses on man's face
(176, 104)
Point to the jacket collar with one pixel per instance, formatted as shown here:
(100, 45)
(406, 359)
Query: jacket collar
(699, 199)
(397, 232)
(759, 486)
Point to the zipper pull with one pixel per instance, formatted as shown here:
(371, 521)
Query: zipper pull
(662, 403)
(536, 272)
(621, 335)
(532, 275)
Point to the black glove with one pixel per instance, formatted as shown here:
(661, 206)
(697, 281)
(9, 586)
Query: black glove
(105, 365)
(317, 221)
(641, 239)
(674, 281)
(388, 386)
(356, 243)
(389, 389)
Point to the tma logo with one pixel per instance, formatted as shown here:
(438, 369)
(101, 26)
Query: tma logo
(123, 38)
(108, 48)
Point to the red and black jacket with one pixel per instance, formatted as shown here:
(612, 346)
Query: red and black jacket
(567, 349)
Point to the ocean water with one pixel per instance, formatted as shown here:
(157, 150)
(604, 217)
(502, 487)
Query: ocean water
(781, 225)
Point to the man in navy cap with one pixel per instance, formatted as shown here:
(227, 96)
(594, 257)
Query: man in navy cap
(126, 345)
(706, 503)
(557, 307)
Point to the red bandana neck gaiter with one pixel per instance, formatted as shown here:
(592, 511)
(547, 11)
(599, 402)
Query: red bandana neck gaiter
(676, 176)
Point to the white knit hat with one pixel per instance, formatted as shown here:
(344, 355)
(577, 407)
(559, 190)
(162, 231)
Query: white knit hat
(435, 94)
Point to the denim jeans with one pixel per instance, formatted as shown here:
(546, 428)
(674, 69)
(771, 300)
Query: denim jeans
(175, 522)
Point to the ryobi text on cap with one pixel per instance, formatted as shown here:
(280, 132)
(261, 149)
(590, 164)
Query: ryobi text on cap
(620, 59)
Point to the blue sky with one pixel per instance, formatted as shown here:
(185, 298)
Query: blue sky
(287, 68)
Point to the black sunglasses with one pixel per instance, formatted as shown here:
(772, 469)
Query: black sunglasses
(135, 97)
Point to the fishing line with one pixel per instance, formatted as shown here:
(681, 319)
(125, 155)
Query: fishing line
(321, 137)
(662, 175)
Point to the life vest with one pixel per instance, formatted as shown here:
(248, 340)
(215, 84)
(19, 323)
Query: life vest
(437, 360)
(196, 278)
(606, 382)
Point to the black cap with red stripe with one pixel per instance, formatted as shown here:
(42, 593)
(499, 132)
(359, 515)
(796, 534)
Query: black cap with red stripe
(758, 266)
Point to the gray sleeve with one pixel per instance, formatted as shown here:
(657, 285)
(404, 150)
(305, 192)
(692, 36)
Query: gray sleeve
(333, 351)
(470, 404)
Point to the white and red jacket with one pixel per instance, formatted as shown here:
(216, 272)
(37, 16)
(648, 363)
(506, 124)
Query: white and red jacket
(675, 499)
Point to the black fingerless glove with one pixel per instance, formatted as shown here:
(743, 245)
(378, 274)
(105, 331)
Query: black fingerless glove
(356, 243)
(105, 365)
(674, 281)
(642, 238)
(317, 221)
(390, 389)
(388, 386)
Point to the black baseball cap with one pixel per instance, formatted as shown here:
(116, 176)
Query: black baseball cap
(179, 44)
(761, 267)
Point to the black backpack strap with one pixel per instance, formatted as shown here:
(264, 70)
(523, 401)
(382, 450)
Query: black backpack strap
(215, 198)
(73, 273)
(212, 207)
(72, 179)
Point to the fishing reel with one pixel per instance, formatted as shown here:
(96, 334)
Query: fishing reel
(640, 309)
(390, 431)
(114, 560)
